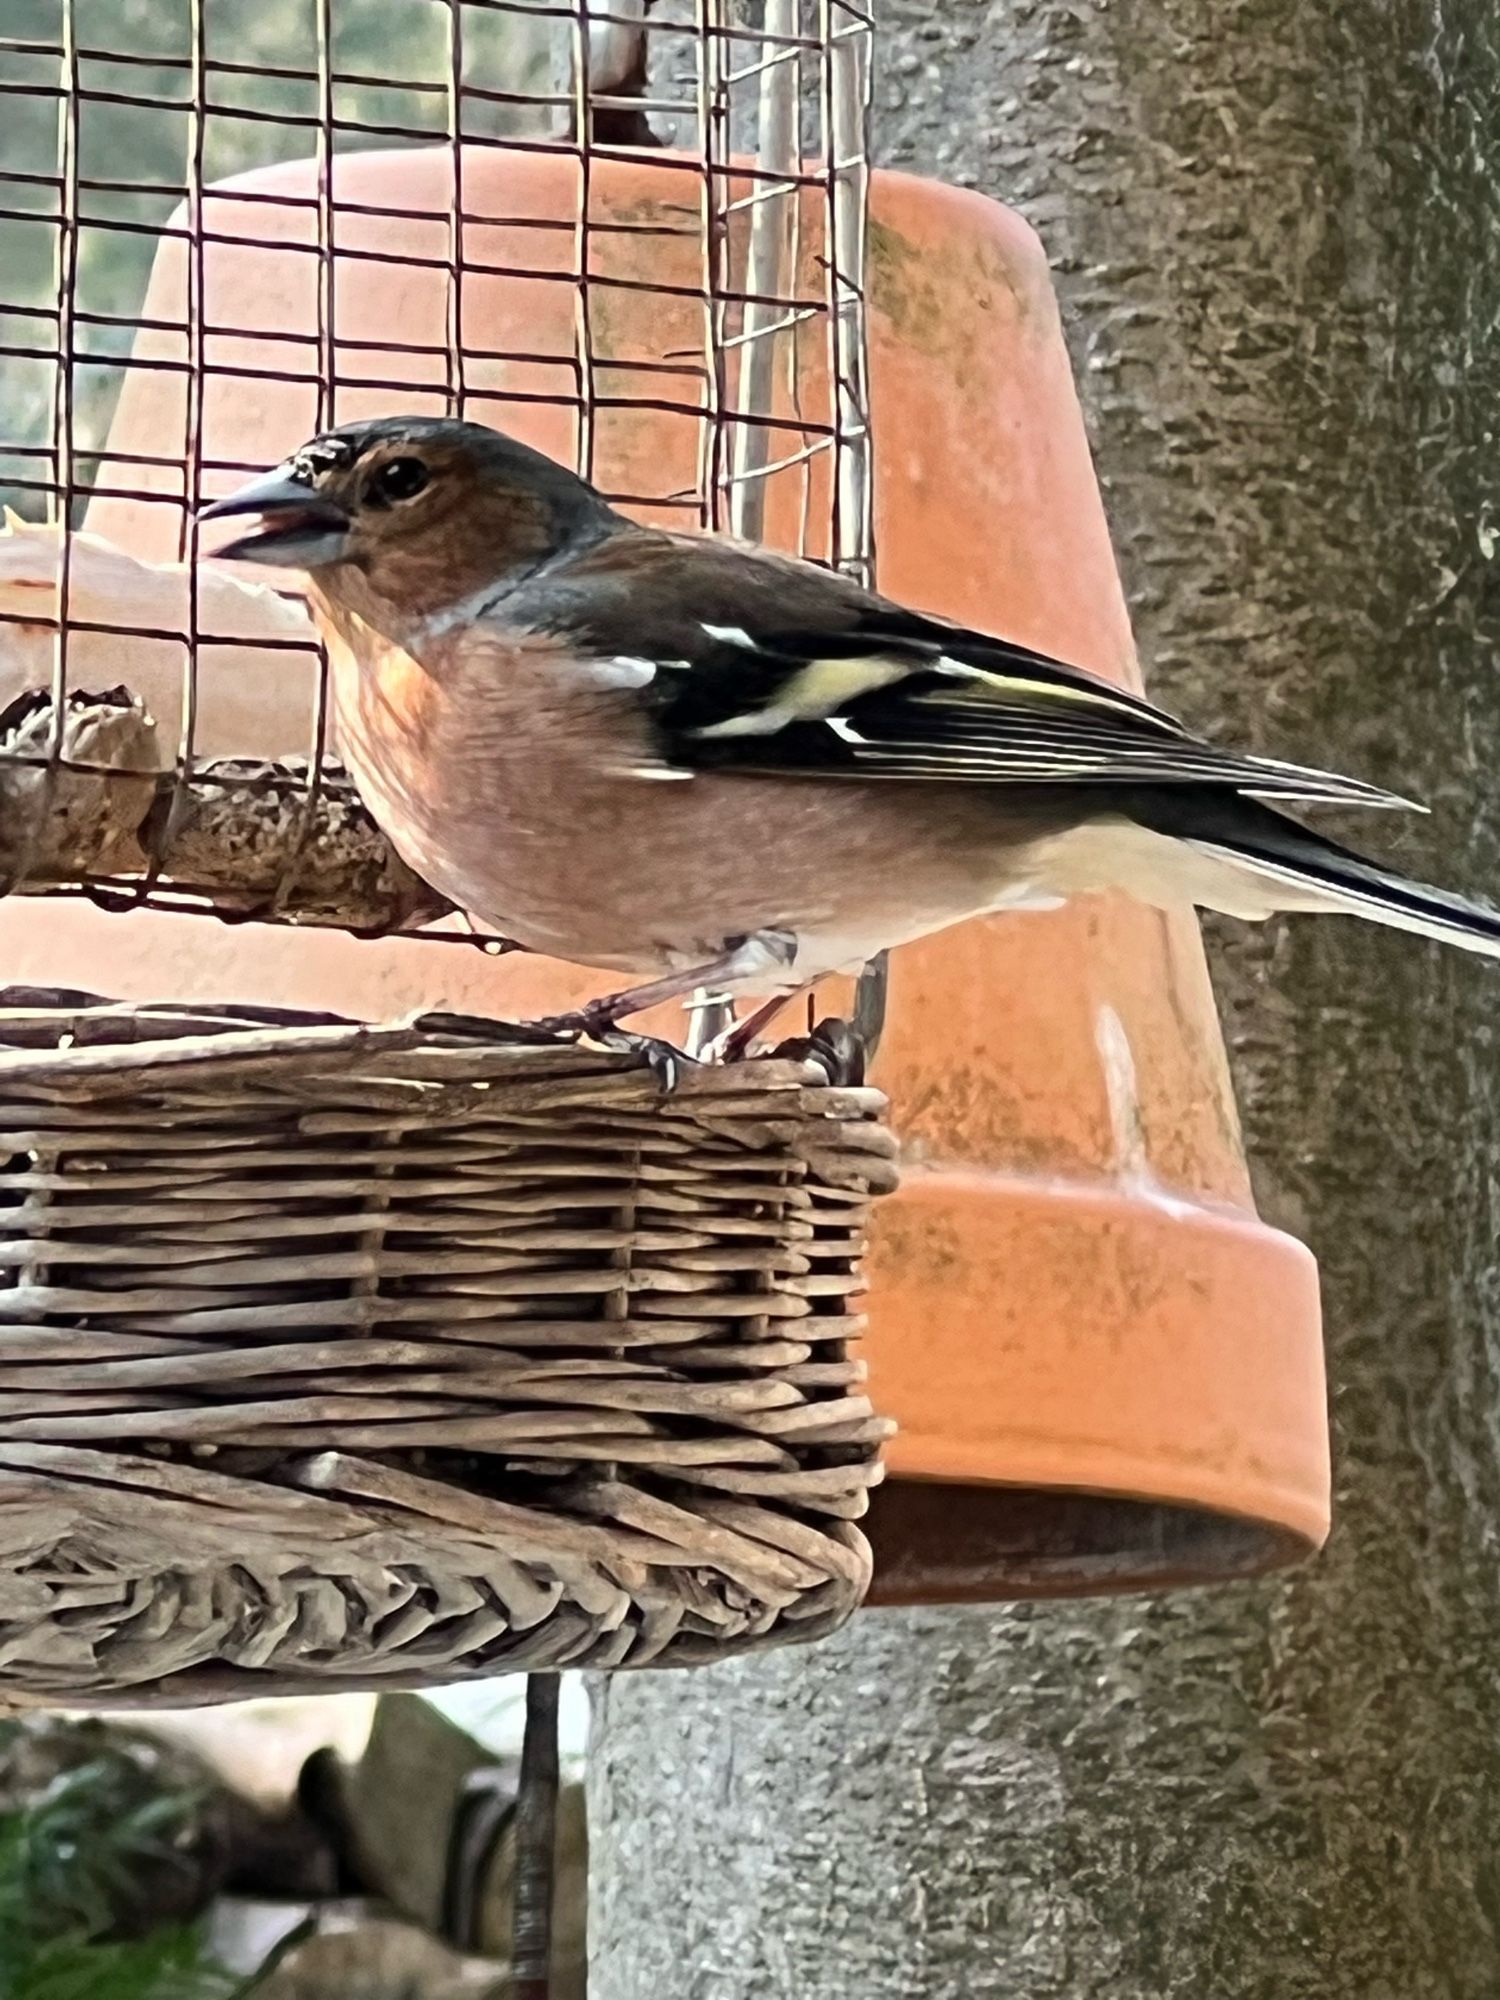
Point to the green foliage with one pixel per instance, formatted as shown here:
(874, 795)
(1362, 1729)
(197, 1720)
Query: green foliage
(168, 1965)
(70, 1862)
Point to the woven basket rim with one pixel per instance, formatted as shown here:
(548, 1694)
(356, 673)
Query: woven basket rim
(342, 1353)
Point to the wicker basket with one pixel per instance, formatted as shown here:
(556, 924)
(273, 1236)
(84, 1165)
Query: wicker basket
(344, 1356)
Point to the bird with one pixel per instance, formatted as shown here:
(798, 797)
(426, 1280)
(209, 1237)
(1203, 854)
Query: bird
(694, 762)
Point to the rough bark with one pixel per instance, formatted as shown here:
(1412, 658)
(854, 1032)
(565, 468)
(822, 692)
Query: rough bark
(1276, 234)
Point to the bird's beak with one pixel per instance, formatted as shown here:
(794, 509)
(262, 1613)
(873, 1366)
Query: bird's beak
(299, 529)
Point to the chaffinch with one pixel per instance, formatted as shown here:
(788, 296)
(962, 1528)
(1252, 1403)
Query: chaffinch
(703, 764)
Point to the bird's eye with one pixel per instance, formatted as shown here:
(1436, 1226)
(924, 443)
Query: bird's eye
(398, 479)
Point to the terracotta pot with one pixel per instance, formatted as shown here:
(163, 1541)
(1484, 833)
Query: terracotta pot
(1107, 1371)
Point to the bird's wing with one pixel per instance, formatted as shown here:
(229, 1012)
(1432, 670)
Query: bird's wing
(761, 664)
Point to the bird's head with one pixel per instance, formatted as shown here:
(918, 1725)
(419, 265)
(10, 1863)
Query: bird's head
(410, 515)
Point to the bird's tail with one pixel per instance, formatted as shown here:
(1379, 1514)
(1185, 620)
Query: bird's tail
(1263, 862)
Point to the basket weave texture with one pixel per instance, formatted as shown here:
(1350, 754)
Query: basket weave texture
(343, 1356)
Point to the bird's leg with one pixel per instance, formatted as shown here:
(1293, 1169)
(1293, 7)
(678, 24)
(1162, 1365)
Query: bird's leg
(844, 1048)
(733, 1045)
(743, 958)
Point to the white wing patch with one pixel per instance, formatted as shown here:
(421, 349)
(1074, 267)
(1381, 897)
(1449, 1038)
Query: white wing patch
(817, 691)
(845, 730)
(1017, 687)
(813, 694)
(622, 670)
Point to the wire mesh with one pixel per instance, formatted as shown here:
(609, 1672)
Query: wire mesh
(630, 231)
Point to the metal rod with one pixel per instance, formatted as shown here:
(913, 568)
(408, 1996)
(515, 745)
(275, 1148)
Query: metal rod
(766, 277)
(536, 1843)
(708, 1014)
(846, 85)
(871, 994)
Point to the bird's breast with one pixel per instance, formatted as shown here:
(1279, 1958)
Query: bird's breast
(511, 778)
(528, 791)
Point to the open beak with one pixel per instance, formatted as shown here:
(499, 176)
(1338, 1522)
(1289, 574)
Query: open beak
(299, 529)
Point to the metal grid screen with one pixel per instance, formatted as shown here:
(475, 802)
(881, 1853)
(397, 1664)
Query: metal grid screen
(633, 235)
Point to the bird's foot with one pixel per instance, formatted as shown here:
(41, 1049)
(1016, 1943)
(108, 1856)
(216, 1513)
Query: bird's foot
(736, 1041)
(835, 1047)
(664, 1059)
(598, 1022)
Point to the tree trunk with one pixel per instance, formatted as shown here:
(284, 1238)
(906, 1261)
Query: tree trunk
(1276, 234)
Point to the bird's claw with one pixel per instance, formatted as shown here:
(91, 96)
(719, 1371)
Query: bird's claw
(664, 1059)
(835, 1047)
